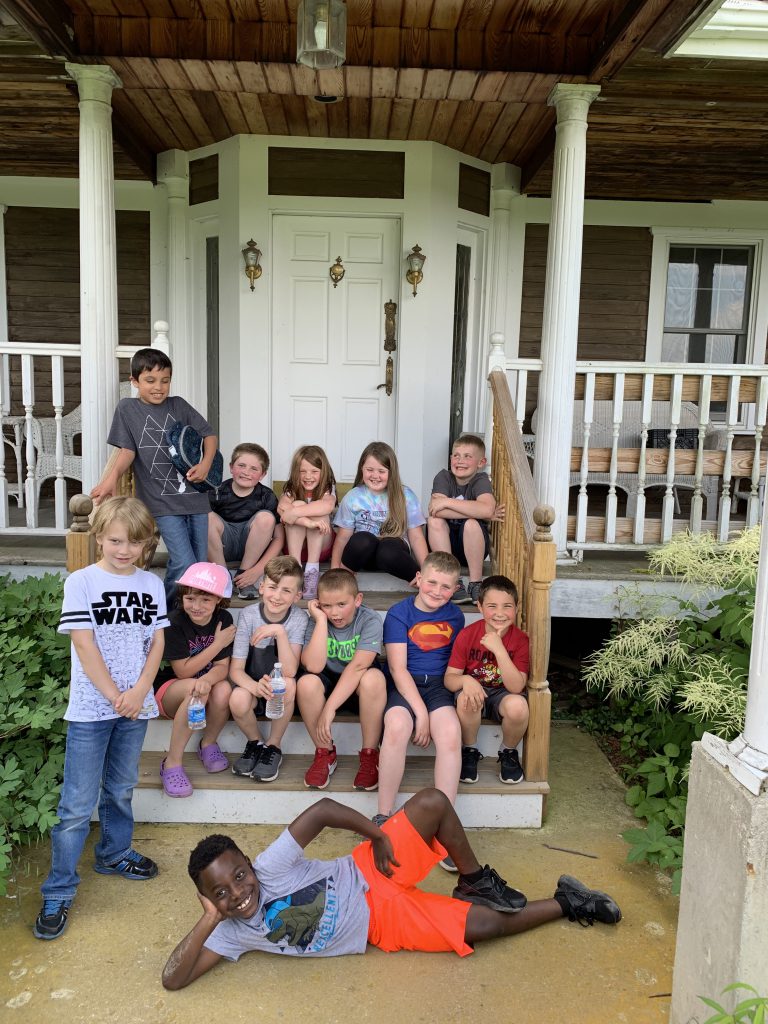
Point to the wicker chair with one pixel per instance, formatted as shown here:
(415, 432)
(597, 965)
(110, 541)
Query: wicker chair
(601, 436)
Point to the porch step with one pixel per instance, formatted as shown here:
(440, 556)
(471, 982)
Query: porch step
(226, 798)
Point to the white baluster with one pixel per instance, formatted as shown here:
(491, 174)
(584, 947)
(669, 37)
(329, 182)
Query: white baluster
(60, 486)
(731, 419)
(28, 400)
(161, 337)
(521, 392)
(5, 406)
(611, 504)
(646, 412)
(670, 497)
(583, 499)
(753, 505)
(697, 501)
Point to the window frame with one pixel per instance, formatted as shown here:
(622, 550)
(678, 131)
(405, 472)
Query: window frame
(757, 316)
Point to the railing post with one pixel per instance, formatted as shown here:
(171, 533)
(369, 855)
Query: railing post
(81, 544)
(543, 556)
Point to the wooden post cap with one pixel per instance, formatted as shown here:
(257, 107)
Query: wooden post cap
(544, 515)
(81, 506)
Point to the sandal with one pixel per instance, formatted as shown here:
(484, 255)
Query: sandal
(212, 757)
(175, 781)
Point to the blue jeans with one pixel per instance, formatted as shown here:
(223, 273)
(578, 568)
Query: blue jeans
(186, 538)
(101, 756)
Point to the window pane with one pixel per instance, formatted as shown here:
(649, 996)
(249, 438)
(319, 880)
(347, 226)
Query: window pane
(681, 294)
(674, 348)
(728, 302)
(721, 348)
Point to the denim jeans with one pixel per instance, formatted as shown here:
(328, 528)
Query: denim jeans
(186, 538)
(101, 756)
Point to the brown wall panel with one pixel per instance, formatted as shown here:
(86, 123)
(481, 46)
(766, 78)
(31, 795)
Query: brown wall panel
(474, 190)
(204, 179)
(357, 174)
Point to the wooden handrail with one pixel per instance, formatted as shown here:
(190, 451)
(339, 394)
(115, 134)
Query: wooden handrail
(525, 552)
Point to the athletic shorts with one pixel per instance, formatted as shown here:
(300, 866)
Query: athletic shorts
(431, 690)
(329, 678)
(456, 534)
(159, 694)
(401, 915)
(494, 695)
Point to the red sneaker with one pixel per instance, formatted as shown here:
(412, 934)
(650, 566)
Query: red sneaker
(368, 773)
(322, 768)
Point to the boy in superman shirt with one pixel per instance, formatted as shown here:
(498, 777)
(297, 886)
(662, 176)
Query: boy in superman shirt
(418, 635)
(488, 670)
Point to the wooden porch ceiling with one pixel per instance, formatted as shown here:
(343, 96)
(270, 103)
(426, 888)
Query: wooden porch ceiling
(471, 75)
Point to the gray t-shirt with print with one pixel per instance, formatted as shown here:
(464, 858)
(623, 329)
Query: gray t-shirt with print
(142, 427)
(306, 907)
(364, 633)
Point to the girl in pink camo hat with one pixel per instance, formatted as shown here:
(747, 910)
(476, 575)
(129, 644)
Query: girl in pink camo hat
(198, 645)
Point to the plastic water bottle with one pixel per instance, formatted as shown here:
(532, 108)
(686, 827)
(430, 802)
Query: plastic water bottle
(196, 714)
(276, 703)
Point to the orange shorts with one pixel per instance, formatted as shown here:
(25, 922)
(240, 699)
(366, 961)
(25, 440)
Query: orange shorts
(159, 694)
(402, 916)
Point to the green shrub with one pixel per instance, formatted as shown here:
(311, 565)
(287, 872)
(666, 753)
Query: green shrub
(752, 1010)
(670, 678)
(34, 682)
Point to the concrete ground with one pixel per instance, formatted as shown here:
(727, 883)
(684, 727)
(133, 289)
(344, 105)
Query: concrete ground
(107, 965)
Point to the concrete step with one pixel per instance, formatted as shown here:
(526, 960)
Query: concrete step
(346, 735)
(225, 798)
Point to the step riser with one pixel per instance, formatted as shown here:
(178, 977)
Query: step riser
(346, 736)
(262, 806)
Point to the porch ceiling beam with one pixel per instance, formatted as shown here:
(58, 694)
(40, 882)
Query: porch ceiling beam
(627, 34)
(49, 22)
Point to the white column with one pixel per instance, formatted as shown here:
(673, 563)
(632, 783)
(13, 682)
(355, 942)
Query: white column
(98, 266)
(505, 186)
(173, 173)
(3, 280)
(560, 325)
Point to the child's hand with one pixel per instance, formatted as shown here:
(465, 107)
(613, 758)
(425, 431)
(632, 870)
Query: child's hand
(264, 687)
(471, 696)
(498, 515)
(129, 704)
(437, 503)
(224, 636)
(270, 629)
(384, 854)
(197, 473)
(209, 909)
(492, 642)
(421, 729)
(247, 578)
(323, 727)
(317, 613)
(289, 516)
(201, 689)
(105, 489)
(322, 526)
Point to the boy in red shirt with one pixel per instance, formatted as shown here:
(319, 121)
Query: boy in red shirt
(488, 670)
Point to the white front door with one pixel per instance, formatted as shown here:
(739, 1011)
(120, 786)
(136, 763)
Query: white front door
(328, 353)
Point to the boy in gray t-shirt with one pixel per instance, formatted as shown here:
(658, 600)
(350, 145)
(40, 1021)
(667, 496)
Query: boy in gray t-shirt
(267, 632)
(342, 643)
(286, 903)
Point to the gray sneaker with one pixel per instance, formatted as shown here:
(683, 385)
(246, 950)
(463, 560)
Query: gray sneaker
(461, 594)
(249, 758)
(473, 589)
(379, 819)
(267, 768)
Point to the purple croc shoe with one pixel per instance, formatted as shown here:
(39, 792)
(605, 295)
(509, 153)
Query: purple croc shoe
(175, 781)
(213, 758)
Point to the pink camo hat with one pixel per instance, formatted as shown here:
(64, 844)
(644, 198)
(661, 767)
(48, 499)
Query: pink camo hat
(207, 576)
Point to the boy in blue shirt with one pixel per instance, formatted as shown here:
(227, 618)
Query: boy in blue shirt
(418, 634)
(139, 430)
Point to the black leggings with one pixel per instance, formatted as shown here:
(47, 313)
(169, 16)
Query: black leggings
(380, 554)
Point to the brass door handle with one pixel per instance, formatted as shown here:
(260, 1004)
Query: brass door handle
(388, 377)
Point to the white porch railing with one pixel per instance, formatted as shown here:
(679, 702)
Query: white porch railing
(38, 438)
(639, 428)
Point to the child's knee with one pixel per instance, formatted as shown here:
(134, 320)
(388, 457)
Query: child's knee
(220, 694)
(437, 526)
(398, 727)
(514, 709)
(472, 529)
(215, 525)
(372, 684)
(309, 686)
(241, 701)
(261, 521)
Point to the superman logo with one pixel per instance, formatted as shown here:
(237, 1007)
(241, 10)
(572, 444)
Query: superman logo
(430, 636)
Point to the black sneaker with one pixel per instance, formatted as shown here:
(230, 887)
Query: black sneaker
(470, 758)
(473, 589)
(267, 768)
(510, 770)
(249, 758)
(490, 890)
(585, 905)
(52, 920)
(461, 594)
(134, 866)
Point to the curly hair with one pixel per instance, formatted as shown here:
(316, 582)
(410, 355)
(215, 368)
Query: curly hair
(206, 852)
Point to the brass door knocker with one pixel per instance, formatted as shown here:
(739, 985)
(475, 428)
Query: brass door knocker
(337, 271)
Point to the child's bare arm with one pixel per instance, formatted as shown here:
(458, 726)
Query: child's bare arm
(322, 507)
(131, 701)
(513, 679)
(443, 507)
(418, 543)
(315, 654)
(240, 677)
(327, 813)
(185, 668)
(191, 959)
(107, 486)
(397, 659)
(200, 471)
(342, 537)
(288, 654)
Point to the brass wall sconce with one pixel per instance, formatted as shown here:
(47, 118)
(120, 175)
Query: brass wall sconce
(336, 271)
(415, 260)
(252, 257)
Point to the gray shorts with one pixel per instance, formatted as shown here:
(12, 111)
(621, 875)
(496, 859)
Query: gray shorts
(234, 539)
(494, 695)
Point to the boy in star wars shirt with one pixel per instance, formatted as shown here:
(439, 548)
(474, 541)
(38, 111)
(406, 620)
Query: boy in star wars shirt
(419, 633)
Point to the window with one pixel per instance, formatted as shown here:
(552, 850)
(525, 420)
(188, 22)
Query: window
(706, 309)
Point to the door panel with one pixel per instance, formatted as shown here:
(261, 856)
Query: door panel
(327, 347)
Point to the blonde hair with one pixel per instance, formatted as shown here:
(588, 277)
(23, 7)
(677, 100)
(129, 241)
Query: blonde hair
(284, 565)
(396, 522)
(442, 561)
(471, 441)
(316, 457)
(132, 514)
